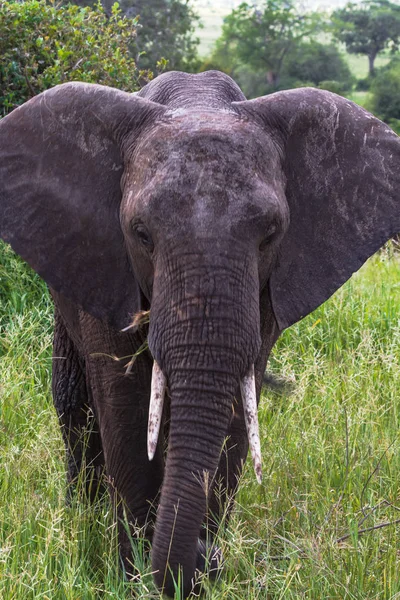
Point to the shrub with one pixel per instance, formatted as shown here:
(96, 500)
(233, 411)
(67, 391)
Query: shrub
(42, 45)
(308, 64)
(385, 92)
(395, 125)
(301, 84)
(315, 62)
(364, 84)
(336, 87)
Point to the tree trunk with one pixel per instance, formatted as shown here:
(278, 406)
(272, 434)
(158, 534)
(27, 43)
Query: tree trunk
(371, 63)
(273, 78)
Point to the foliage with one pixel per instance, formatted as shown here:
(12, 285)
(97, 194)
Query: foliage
(315, 62)
(331, 456)
(307, 64)
(333, 86)
(166, 29)
(385, 93)
(42, 45)
(364, 84)
(262, 37)
(368, 28)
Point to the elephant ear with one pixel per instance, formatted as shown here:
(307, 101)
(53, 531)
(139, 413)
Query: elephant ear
(342, 167)
(61, 162)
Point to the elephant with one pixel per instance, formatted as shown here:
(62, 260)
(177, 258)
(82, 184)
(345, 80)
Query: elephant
(229, 220)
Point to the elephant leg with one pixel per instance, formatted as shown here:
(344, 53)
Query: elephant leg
(85, 460)
(236, 447)
(121, 399)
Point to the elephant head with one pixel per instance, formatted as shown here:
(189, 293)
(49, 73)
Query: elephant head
(190, 199)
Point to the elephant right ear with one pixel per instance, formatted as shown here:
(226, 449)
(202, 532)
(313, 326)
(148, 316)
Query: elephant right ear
(341, 167)
(61, 163)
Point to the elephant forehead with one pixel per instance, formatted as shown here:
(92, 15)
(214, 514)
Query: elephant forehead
(220, 143)
(208, 172)
(203, 156)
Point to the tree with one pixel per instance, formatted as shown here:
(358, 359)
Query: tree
(165, 29)
(262, 37)
(385, 93)
(42, 45)
(309, 63)
(368, 28)
(314, 62)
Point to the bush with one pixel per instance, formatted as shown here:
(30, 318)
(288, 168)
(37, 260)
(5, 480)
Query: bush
(315, 62)
(166, 28)
(42, 45)
(364, 84)
(301, 84)
(336, 87)
(385, 92)
(309, 64)
(395, 125)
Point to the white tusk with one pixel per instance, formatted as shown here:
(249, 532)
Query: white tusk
(249, 398)
(158, 385)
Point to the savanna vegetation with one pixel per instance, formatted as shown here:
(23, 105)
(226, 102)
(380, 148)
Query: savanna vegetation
(165, 29)
(272, 45)
(325, 523)
(42, 45)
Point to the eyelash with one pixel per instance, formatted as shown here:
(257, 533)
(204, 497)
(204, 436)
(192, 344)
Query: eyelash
(144, 237)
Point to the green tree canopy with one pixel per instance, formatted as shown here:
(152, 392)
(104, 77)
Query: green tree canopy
(315, 63)
(385, 93)
(166, 29)
(308, 63)
(262, 37)
(368, 28)
(42, 45)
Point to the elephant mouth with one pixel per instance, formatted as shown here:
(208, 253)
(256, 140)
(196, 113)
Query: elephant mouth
(249, 398)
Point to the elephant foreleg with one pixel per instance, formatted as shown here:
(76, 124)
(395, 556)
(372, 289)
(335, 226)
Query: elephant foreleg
(121, 400)
(85, 460)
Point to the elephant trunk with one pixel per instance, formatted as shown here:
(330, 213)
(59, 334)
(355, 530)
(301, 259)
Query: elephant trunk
(195, 443)
(205, 337)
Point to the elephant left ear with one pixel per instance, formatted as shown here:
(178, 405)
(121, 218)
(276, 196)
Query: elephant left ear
(63, 155)
(342, 167)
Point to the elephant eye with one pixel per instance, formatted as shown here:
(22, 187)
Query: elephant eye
(144, 237)
(268, 237)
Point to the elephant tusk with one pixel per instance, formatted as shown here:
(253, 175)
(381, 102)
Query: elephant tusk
(249, 398)
(158, 385)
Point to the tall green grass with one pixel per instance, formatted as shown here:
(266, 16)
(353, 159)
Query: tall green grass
(330, 453)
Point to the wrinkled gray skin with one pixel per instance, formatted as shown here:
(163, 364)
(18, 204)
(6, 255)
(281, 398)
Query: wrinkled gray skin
(230, 219)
